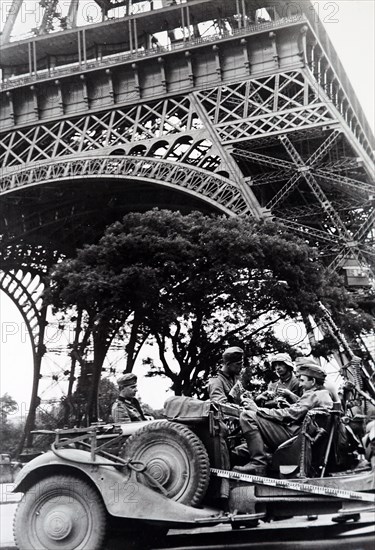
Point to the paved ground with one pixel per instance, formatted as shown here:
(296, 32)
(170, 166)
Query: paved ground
(320, 533)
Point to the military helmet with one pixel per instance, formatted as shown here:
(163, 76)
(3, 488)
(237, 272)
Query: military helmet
(282, 358)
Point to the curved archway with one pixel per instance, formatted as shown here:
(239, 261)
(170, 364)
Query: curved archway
(197, 152)
(223, 173)
(158, 149)
(138, 151)
(222, 193)
(21, 286)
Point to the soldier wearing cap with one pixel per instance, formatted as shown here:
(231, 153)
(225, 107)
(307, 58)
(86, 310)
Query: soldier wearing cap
(328, 384)
(274, 426)
(220, 386)
(127, 408)
(286, 389)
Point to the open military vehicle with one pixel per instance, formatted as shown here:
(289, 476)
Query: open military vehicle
(177, 473)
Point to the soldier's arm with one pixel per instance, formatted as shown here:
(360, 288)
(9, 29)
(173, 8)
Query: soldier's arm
(293, 393)
(294, 414)
(216, 391)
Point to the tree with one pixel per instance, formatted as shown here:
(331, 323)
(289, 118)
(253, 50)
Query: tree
(240, 278)
(8, 406)
(10, 432)
(108, 393)
(196, 283)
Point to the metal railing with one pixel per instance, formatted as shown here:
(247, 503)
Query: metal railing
(114, 59)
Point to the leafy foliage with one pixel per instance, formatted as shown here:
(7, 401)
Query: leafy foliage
(8, 406)
(196, 284)
(10, 432)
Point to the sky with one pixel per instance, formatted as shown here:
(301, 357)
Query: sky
(350, 25)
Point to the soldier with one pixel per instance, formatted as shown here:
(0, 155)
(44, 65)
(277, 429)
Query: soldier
(220, 386)
(286, 389)
(127, 408)
(274, 426)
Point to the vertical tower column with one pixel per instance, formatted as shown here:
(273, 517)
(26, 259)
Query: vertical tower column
(72, 14)
(10, 21)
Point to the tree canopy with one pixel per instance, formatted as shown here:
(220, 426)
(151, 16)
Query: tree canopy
(195, 283)
(10, 432)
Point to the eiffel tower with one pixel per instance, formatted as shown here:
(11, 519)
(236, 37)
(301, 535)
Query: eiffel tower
(240, 107)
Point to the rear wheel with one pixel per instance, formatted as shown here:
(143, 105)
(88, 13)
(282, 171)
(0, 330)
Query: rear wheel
(60, 513)
(174, 456)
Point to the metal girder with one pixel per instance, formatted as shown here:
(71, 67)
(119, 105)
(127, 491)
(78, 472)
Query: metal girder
(25, 290)
(314, 211)
(268, 177)
(325, 203)
(322, 150)
(343, 113)
(342, 164)
(298, 163)
(352, 185)
(308, 230)
(125, 128)
(284, 191)
(315, 187)
(263, 159)
(368, 226)
(10, 20)
(234, 172)
(72, 14)
(220, 191)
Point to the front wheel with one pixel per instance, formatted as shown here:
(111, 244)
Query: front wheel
(60, 513)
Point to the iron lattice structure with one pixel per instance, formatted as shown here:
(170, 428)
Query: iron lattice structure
(240, 107)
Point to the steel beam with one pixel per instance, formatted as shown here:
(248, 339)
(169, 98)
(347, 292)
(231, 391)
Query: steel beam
(10, 20)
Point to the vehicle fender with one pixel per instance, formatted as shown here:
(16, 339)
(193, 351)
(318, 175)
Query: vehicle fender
(122, 494)
(129, 428)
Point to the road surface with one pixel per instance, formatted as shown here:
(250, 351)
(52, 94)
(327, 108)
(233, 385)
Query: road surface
(291, 534)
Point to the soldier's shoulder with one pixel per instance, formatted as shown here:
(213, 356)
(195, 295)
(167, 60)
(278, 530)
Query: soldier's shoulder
(215, 378)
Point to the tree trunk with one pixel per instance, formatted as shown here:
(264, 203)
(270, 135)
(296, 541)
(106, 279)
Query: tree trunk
(130, 347)
(100, 350)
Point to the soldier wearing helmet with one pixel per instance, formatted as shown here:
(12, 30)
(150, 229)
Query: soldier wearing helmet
(127, 408)
(286, 389)
(274, 426)
(220, 386)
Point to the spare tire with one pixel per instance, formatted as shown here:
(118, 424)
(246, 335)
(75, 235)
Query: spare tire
(174, 456)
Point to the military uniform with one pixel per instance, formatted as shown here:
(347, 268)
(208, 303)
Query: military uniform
(127, 410)
(220, 386)
(288, 420)
(274, 426)
(285, 381)
(289, 383)
(223, 387)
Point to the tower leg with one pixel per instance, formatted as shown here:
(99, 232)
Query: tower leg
(10, 21)
(26, 439)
